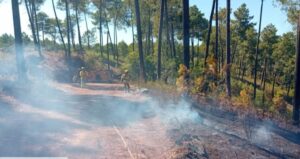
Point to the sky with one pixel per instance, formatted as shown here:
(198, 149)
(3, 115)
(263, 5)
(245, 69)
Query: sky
(271, 14)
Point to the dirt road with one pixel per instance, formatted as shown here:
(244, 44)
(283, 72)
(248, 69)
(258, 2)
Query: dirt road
(101, 121)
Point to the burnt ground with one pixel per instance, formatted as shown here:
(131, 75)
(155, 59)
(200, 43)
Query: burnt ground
(101, 121)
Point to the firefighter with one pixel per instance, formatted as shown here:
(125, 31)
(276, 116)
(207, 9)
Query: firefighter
(82, 75)
(125, 80)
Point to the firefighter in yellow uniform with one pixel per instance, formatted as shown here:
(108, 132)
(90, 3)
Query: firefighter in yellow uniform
(82, 74)
(125, 80)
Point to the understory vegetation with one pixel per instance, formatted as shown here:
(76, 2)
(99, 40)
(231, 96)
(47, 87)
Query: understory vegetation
(261, 62)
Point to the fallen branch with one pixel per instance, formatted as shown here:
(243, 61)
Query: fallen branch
(124, 142)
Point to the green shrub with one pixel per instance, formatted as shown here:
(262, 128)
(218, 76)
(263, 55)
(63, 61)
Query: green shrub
(93, 61)
(279, 103)
(132, 64)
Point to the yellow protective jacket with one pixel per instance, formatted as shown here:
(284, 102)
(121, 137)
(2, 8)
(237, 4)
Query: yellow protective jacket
(125, 78)
(82, 73)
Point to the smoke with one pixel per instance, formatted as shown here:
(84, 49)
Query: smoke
(175, 114)
(48, 118)
(8, 68)
(262, 136)
(45, 117)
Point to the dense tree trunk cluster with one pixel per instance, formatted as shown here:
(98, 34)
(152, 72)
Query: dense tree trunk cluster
(227, 51)
(297, 78)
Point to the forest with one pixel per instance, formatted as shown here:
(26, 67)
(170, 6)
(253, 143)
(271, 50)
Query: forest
(227, 69)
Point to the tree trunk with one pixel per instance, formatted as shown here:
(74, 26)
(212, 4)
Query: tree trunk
(116, 49)
(222, 56)
(243, 72)
(54, 41)
(43, 34)
(241, 65)
(297, 79)
(140, 43)
(186, 34)
(101, 40)
(18, 41)
(108, 32)
(132, 28)
(88, 31)
(100, 29)
(228, 82)
(257, 50)
(167, 28)
(152, 41)
(148, 48)
(273, 85)
(217, 35)
(289, 87)
(198, 53)
(116, 40)
(221, 61)
(72, 34)
(146, 41)
(29, 13)
(59, 29)
(114, 43)
(193, 52)
(219, 64)
(78, 29)
(209, 31)
(234, 52)
(263, 78)
(173, 40)
(162, 3)
(264, 92)
(107, 47)
(147, 37)
(68, 30)
(37, 29)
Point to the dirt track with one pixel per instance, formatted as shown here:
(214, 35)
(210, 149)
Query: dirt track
(101, 121)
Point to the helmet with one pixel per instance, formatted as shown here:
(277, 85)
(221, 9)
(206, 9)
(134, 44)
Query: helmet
(82, 68)
(126, 71)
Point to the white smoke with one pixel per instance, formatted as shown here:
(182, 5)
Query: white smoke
(262, 135)
(174, 114)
